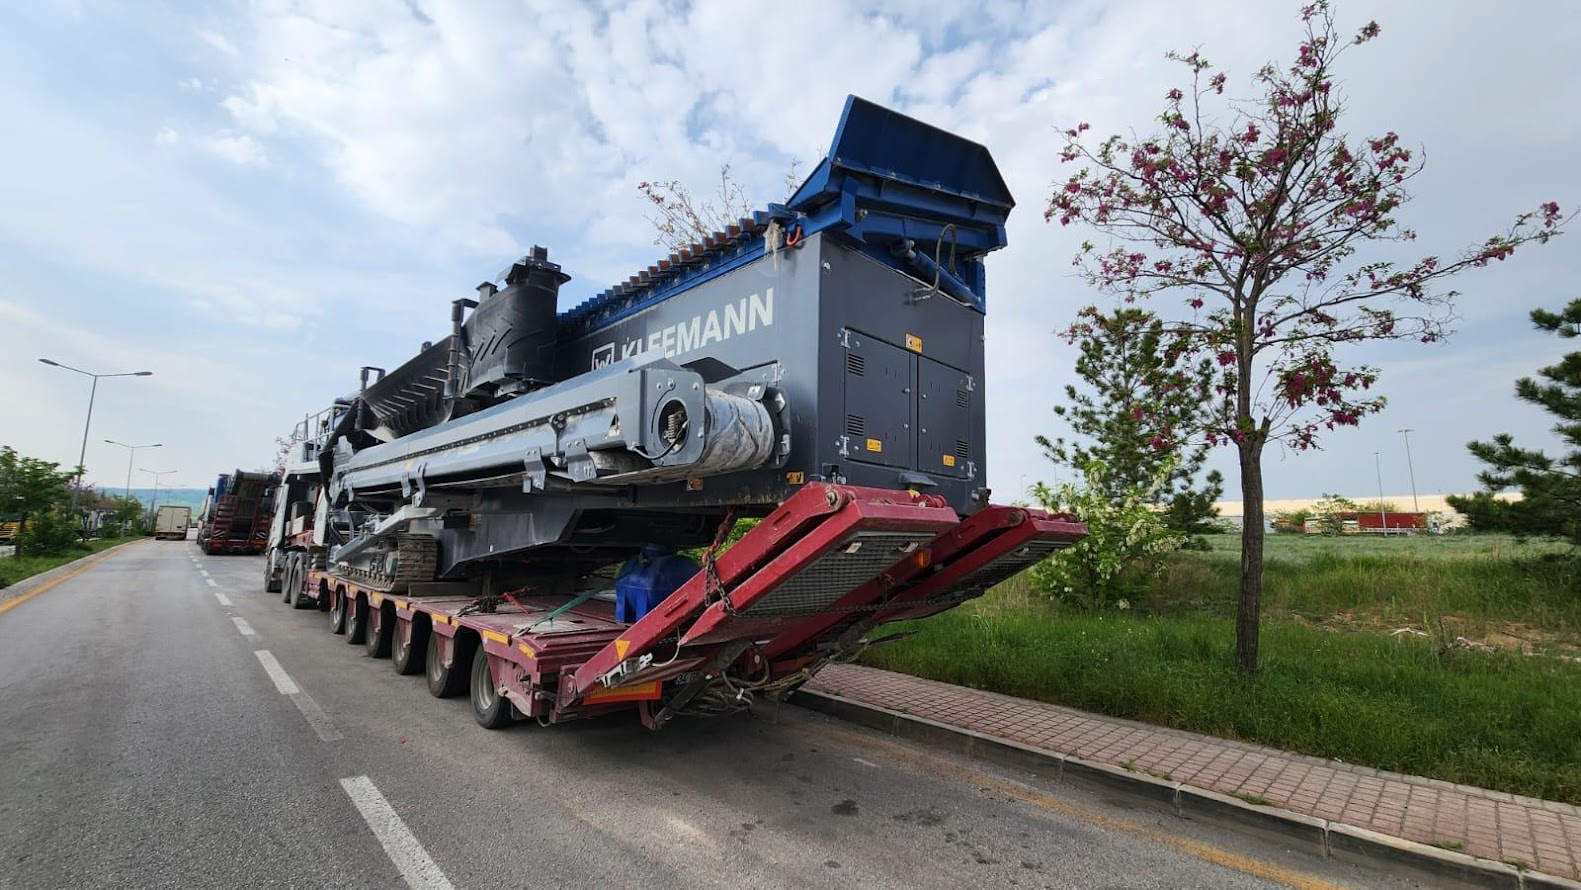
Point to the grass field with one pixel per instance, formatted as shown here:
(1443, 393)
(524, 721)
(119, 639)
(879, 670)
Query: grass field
(1490, 588)
(1336, 680)
(13, 569)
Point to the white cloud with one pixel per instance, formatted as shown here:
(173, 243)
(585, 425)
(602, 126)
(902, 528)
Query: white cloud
(470, 127)
(216, 40)
(443, 122)
(249, 115)
(241, 150)
(166, 137)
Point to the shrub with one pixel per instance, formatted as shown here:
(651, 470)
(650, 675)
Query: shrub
(47, 533)
(1126, 540)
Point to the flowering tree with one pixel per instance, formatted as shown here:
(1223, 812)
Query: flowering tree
(681, 217)
(1252, 214)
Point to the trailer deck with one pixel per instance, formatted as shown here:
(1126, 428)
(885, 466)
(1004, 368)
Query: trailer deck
(803, 589)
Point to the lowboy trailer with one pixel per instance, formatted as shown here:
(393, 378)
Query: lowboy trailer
(504, 511)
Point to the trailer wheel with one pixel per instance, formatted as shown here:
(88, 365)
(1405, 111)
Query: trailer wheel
(299, 597)
(337, 612)
(381, 623)
(409, 646)
(489, 708)
(271, 583)
(356, 620)
(287, 578)
(448, 681)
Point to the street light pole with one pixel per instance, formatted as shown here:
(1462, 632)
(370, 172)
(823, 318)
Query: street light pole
(82, 455)
(153, 503)
(130, 456)
(1415, 507)
(1383, 519)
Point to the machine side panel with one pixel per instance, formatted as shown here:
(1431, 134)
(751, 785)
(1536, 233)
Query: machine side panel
(866, 306)
(761, 318)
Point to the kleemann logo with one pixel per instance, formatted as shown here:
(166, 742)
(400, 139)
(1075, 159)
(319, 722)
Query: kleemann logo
(717, 325)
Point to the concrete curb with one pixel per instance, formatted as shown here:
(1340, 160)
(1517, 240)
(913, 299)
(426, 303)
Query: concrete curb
(32, 582)
(1299, 831)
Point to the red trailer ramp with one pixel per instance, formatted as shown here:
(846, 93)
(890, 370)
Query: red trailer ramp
(801, 588)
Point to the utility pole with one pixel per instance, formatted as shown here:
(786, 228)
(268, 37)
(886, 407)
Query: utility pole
(1415, 507)
(82, 456)
(1383, 518)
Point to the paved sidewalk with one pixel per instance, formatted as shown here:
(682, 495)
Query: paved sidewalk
(1525, 832)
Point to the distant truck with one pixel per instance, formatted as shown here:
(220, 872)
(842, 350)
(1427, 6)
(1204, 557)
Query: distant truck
(171, 523)
(236, 514)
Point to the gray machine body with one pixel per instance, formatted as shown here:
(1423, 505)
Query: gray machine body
(831, 329)
(835, 338)
(870, 386)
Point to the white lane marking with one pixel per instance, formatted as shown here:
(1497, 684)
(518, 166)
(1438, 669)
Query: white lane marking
(224, 600)
(203, 572)
(282, 680)
(315, 717)
(210, 582)
(245, 628)
(865, 762)
(417, 867)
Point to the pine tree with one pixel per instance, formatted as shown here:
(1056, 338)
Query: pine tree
(1550, 486)
(1138, 399)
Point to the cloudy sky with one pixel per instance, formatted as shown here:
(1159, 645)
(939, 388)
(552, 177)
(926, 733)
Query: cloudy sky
(252, 200)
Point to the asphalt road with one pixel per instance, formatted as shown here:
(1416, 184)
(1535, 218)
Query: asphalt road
(165, 723)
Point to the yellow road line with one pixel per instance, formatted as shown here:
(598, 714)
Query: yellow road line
(10, 604)
(1024, 794)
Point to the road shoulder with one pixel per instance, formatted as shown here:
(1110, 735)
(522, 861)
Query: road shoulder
(1244, 788)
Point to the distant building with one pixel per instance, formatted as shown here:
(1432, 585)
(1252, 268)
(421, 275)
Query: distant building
(1232, 511)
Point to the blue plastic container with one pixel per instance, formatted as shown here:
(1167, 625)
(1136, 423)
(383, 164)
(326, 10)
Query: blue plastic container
(648, 579)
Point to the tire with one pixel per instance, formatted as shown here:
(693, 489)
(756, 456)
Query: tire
(489, 708)
(381, 622)
(298, 592)
(411, 656)
(356, 620)
(448, 682)
(287, 577)
(337, 613)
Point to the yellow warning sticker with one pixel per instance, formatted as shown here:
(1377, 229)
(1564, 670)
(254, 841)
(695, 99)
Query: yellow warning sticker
(913, 342)
(620, 648)
(796, 477)
(875, 445)
(949, 460)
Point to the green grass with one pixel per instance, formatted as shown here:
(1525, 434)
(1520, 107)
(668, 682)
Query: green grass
(1334, 682)
(13, 569)
(1474, 585)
